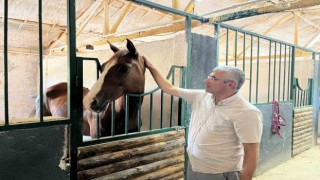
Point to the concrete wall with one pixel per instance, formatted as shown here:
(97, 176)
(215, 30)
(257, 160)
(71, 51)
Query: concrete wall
(22, 77)
(32, 154)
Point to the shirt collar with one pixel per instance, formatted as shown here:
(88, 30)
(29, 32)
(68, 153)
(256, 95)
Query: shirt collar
(227, 100)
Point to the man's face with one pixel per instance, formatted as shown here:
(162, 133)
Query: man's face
(215, 83)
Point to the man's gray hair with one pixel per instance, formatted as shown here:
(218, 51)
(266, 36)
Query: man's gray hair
(233, 74)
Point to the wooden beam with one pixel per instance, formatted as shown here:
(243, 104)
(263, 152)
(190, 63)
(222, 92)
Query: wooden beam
(106, 25)
(264, 10)
(312, 41)
(281, 21)
(296, 30)
(190, 7)
(19, 50)
(63, 36)
(175, 5)
(35, 23)
(96, 9)
(122, 15)
(172, 28)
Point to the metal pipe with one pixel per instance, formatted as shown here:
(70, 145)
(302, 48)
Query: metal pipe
(279, 80)
(257, 75)
(40, 60)
(5, 60)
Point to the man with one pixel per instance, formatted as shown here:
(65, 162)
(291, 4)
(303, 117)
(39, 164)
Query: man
(225, 129)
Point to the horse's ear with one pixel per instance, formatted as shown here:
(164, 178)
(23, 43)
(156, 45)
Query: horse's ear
(113, 48)
(131, 48)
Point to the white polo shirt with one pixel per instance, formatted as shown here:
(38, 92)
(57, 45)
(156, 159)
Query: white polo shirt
(216, 132)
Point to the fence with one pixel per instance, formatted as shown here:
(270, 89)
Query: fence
(270, 65)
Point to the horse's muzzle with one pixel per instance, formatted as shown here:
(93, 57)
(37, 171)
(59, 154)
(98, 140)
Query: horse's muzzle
(97, 107)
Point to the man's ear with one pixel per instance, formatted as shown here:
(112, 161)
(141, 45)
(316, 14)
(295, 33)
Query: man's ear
(232, 84)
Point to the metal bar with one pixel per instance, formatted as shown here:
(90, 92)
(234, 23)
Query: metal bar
(72, 99)
(188, 107)
(289, 72)
(217, 34)
(292, 71)
(98, 125)
(315, 98)
(126, 115)
(284, 72)
(34, 125)
(161, 110)
(40, 60)
(235, 48)
(151, 110)
(5, 60)
(139, 114)
(298, 97)
(274, 70)
(310, 91)
(264, 37)
(171, 10)
(113, 118)
(257, 75)
(251, 54)
(269, 70)
(227, 45)
(244, 52)
(279, 81)
(172, 99)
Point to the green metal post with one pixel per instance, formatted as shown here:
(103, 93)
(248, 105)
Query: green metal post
(5, 60)
(293, 83)
(188, 113)
(72, 99)
(40, 60)
(315, 97)
(217, 34)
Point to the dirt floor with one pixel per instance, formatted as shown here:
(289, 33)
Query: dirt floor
(304, 166)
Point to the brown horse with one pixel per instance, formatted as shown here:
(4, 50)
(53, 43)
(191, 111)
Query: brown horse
(122, 74)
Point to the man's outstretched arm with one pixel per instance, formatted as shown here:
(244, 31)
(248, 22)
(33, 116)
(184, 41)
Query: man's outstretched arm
(163, 83)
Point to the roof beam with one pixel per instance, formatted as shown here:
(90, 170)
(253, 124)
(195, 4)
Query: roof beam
(63, 36)
(175, 5)
(296, 30)
(281, 21)
(122, 15)
(190, 7)
(264, 10)
(106, 25)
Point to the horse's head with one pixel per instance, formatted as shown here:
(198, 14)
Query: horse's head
(123, 73)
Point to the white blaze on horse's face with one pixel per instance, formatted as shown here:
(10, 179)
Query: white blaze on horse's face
(123, 73)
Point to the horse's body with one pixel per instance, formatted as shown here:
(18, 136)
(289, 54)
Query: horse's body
(123, 73)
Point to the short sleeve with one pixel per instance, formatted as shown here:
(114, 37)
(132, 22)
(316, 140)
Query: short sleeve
(189, 94)
(248, 126)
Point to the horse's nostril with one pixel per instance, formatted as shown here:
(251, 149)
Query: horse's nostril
(94, 104)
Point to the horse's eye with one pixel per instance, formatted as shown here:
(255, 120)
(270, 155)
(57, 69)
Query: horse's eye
(123, 69)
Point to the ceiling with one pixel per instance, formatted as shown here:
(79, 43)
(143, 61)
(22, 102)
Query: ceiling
(99, 21)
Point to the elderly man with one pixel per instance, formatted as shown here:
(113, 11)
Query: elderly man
(225, 129)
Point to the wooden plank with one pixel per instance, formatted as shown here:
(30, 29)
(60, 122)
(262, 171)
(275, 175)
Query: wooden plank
(162, 173)
(130, 163)
(118, 156)
(95, 150)
(302, 132)
(141, 170)
(179, 175)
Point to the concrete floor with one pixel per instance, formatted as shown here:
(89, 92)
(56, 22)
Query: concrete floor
(304, 166)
